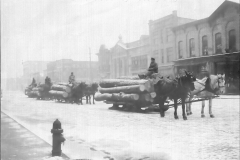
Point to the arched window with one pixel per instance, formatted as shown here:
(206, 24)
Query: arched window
(192, 47)
(218, 43)
(232, 40)
(204, 45)
(180, 49)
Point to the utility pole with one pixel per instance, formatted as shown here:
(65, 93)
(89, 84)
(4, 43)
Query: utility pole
(90, 64)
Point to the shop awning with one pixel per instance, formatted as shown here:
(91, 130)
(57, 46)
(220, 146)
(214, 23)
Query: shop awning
(213, 58)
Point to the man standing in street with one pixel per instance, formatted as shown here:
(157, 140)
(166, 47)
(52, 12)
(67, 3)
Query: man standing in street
(71, 78)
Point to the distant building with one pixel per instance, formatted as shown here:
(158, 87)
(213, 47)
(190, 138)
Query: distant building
(162, 41)
(60, 70)
(104, 58)
(124, 59)
(34, 69)
(211, 43)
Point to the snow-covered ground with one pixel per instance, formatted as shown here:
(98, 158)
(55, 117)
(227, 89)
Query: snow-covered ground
(94, 132)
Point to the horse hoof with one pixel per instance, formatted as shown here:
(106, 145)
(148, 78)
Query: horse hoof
(176, 117)
(202, 115)
(212, 116)
(190, 112)
(185, 118)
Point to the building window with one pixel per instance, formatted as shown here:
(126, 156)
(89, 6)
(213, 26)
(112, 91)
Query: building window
(169, 55)
(218, 43)
(155, 55)
(162, 55)
(161, 36)
(192, 47)
(232, 40)
(180, 49)
(204, 45)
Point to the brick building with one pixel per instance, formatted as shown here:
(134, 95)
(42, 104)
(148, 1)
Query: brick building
(162, 41)
(211, 43)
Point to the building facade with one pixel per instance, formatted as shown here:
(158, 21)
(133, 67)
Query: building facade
(211, 43)
(60, 70)
(162, 41)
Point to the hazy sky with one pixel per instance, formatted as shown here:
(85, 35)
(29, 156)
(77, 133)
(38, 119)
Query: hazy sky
(47, 30)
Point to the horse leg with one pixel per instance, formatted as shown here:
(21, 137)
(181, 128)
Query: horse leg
(93, 98)
(161, 105)
(183, 109)
(188, 105)
(175, 108)
(210, 108)
(90, 99)
(202, 111)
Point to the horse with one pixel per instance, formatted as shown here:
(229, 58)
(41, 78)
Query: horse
(91, 89)
(175, 89)
(208, 87)
(78, 92)
(43, 90)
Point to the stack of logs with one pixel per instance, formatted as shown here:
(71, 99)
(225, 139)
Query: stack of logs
(125, 91)
(60, 90)
(34, 92)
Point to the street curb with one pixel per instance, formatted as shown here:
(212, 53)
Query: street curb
(30, 131)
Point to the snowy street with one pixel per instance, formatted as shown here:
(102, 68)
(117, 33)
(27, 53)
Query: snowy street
(95, 132)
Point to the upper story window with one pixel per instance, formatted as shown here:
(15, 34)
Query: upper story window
(232, 40)
(169, 54)
(162, 55)
(192, 47)
(180, 49)
(155, 55)
(204, 45)
(218, 43)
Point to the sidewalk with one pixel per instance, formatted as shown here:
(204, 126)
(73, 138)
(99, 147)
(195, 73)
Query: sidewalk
(18, 143)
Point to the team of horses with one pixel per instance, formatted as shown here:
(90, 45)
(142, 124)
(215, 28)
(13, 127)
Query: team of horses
(186, 87)
(183, 88)
(78, 91)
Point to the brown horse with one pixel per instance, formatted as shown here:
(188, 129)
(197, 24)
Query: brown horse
(91, 89)
(175, 89)
(207, 88)
(78, 92)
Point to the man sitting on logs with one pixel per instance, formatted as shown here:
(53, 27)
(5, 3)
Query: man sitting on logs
(71, 78)
(153, 68)
(34, 84)
(47, 80)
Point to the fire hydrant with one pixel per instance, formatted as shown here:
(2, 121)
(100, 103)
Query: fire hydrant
(57, 137)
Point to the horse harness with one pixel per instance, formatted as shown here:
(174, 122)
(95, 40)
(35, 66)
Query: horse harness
(208, 88)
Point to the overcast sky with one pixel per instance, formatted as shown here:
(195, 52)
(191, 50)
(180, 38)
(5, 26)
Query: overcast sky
(47, 30)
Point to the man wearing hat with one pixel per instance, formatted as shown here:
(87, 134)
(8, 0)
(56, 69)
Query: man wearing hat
(153, 68)
(71, 78)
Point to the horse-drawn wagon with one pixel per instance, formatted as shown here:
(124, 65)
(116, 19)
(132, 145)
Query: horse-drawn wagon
(158, 93)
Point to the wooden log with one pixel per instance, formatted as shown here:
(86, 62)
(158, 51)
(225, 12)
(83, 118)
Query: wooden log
(124, 89)
(59, 93)
(129, 77)
(108, 83)
(58, 87)
(103, 97)
(153, 94)
(117, 97)
(35, 89)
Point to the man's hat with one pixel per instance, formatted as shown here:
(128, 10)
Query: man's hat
(152, 58)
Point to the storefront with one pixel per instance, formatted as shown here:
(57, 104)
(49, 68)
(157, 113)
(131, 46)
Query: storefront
(227, 64)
